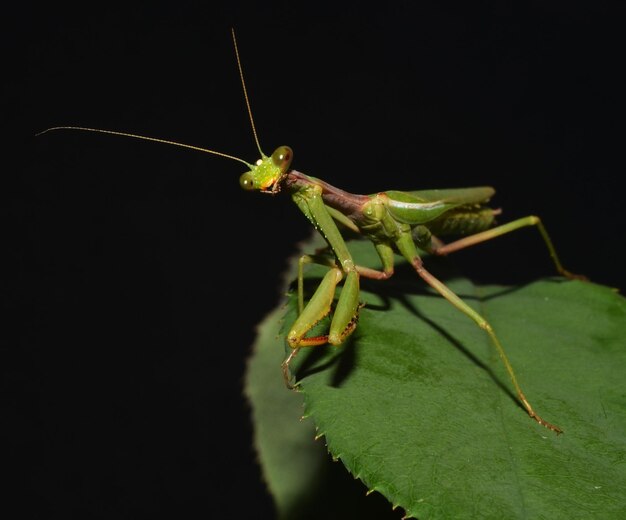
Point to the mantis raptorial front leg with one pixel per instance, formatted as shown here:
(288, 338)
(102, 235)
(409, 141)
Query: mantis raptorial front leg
(344, 318)
(346, 313)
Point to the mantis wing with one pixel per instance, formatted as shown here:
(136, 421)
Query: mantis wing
(419, 207)
(460, 196)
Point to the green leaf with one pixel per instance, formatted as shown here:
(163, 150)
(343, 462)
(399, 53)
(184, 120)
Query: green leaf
(418, 406)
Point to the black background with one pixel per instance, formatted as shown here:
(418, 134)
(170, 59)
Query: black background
(138, 272)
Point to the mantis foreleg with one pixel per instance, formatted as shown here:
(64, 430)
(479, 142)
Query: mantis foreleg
(344, 319)
(532, 220)
(343, 322)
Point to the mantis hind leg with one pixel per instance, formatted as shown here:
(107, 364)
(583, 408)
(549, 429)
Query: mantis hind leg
(532, 220)
(442, 289)
(344, 318)
(407, 248)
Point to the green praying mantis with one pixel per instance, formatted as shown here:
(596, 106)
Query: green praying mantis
(396, 222)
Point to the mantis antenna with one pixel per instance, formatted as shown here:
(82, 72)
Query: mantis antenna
(143, 138)
(175, 143)
(245, 93)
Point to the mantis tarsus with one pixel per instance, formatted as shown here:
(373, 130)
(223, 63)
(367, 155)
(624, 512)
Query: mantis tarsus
(397, 222)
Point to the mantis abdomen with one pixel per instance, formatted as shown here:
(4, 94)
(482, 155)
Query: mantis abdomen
(463, 221)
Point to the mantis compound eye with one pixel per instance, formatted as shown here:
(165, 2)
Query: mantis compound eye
(282, 157)
(246, 181)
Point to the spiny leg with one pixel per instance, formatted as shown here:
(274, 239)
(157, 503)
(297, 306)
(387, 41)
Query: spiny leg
(344, 318)
(386, 254)
(483, 236)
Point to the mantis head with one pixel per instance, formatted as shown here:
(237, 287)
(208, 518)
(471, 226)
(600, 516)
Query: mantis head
(265, 175)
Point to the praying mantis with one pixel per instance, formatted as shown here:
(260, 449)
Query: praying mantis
(396, 222)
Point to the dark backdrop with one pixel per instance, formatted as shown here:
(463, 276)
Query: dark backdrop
(138, 272)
